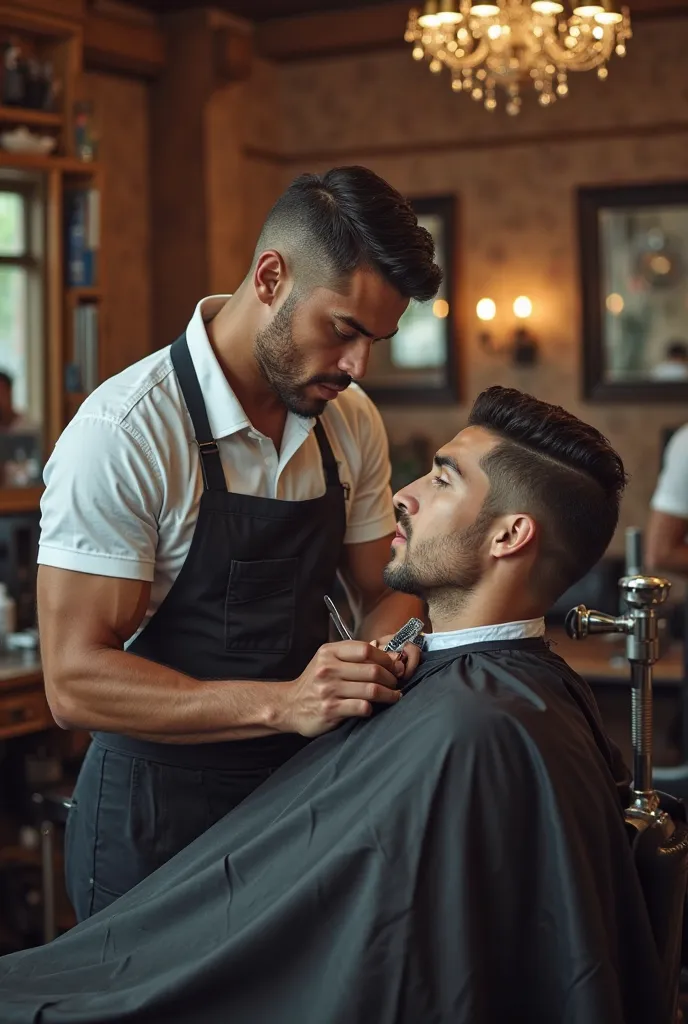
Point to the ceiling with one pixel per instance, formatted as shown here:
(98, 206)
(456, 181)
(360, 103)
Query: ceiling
(261, 10)
(265, 10)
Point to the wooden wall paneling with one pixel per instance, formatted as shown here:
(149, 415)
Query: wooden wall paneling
(115, 45)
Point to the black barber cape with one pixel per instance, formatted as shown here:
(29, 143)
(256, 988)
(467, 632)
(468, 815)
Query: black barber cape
(459, 858)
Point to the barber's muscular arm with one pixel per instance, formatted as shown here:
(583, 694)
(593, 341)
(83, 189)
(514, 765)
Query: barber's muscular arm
(92, 683)
(665, 543)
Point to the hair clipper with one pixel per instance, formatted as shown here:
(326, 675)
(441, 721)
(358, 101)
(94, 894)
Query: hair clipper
(411, 633)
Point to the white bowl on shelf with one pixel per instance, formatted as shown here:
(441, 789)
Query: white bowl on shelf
(21, 140)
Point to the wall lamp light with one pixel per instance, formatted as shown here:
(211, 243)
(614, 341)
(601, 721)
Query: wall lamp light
(522, 347)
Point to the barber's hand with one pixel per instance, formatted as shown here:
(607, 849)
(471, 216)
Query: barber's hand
(411, 654)
(341, 681)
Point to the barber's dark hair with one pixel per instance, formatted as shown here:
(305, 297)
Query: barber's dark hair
(349, 218)
(6, 379)
(562, 471)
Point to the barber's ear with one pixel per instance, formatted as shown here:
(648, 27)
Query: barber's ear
(515, 533)
(270, 276)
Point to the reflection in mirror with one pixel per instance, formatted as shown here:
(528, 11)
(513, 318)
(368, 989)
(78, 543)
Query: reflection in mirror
(21, 330)
(418, 363)
(634, 265)
(646, 293)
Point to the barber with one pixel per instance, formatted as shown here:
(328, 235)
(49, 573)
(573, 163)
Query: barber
(197, 510)
(667, 529)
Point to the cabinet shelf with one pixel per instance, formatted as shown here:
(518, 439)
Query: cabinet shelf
(39, 162)
(84, 292)
(24, 115)
(20, 499)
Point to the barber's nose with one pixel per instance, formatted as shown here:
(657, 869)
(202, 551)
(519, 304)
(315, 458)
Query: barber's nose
(405, 501)
(354, 361)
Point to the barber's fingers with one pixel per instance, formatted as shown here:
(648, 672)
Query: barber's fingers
(358, 655)
(376, 693)
(412, 652)
(353, 709)
(409, 656)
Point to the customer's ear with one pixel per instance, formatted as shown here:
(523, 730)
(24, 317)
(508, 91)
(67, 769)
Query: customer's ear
(514, 534)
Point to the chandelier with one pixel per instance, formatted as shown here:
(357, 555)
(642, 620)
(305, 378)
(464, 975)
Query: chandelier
(510, 43)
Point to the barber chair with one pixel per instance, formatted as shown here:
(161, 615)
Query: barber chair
(656, 822)
(50, 808)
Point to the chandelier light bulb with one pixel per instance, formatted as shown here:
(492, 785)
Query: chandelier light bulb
(546, 7)
(484, 11)
(448, 16)
(428, 18)
(589, 10)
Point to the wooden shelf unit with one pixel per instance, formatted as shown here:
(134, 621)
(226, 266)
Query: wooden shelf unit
(62, 40)
(29, 117)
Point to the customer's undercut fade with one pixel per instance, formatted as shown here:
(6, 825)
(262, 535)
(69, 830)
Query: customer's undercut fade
(558, 469)
(327, 226)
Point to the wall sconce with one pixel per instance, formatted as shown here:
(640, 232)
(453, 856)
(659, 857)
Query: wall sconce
(522, 346)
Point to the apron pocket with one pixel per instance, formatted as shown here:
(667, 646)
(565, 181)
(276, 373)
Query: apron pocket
(260, 606)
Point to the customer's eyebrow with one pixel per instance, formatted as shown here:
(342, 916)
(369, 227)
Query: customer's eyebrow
(448, 461)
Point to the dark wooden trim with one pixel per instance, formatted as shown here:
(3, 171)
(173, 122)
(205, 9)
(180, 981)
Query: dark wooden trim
(333, 33)
(450, 392)
(401, 149)
(590, 202)
(114, 45)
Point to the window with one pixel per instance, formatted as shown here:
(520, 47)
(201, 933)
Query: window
(20, 297)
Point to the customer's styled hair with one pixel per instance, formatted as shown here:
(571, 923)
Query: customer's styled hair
(327, 226)
(558, 469)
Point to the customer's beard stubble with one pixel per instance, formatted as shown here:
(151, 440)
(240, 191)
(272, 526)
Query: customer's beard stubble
(443, 571)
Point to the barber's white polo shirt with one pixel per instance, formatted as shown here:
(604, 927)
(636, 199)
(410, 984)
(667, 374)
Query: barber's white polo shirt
(671, 492)
(123, 482)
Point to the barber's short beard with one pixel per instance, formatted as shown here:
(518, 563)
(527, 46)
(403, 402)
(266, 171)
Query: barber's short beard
(443, 570)
(283, 366)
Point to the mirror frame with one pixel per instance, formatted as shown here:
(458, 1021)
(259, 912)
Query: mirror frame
(448, 392)
(590, 202)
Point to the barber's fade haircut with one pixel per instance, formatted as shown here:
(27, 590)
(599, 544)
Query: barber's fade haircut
(327, 226)
(560, 470)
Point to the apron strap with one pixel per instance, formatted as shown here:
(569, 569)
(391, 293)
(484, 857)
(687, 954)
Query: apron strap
(327, 455)
(211, 464)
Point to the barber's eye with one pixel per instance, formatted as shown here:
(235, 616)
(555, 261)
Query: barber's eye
(439, 482)
(342, 335)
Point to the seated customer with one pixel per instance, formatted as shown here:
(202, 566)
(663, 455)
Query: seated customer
(458, 858)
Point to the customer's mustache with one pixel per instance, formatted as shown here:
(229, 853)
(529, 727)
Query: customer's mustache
(405, 520)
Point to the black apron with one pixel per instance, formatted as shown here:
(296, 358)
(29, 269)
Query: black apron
(247, 604)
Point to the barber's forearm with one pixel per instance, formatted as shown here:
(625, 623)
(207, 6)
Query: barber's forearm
(674, 560)
(389, 614)
(114, 691)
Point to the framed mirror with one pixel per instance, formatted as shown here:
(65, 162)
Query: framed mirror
(418, 365)
(634, 278)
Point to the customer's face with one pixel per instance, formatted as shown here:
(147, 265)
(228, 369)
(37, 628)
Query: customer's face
(442, 537)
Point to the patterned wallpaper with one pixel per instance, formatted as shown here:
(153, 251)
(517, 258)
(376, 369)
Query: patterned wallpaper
(516, 182)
